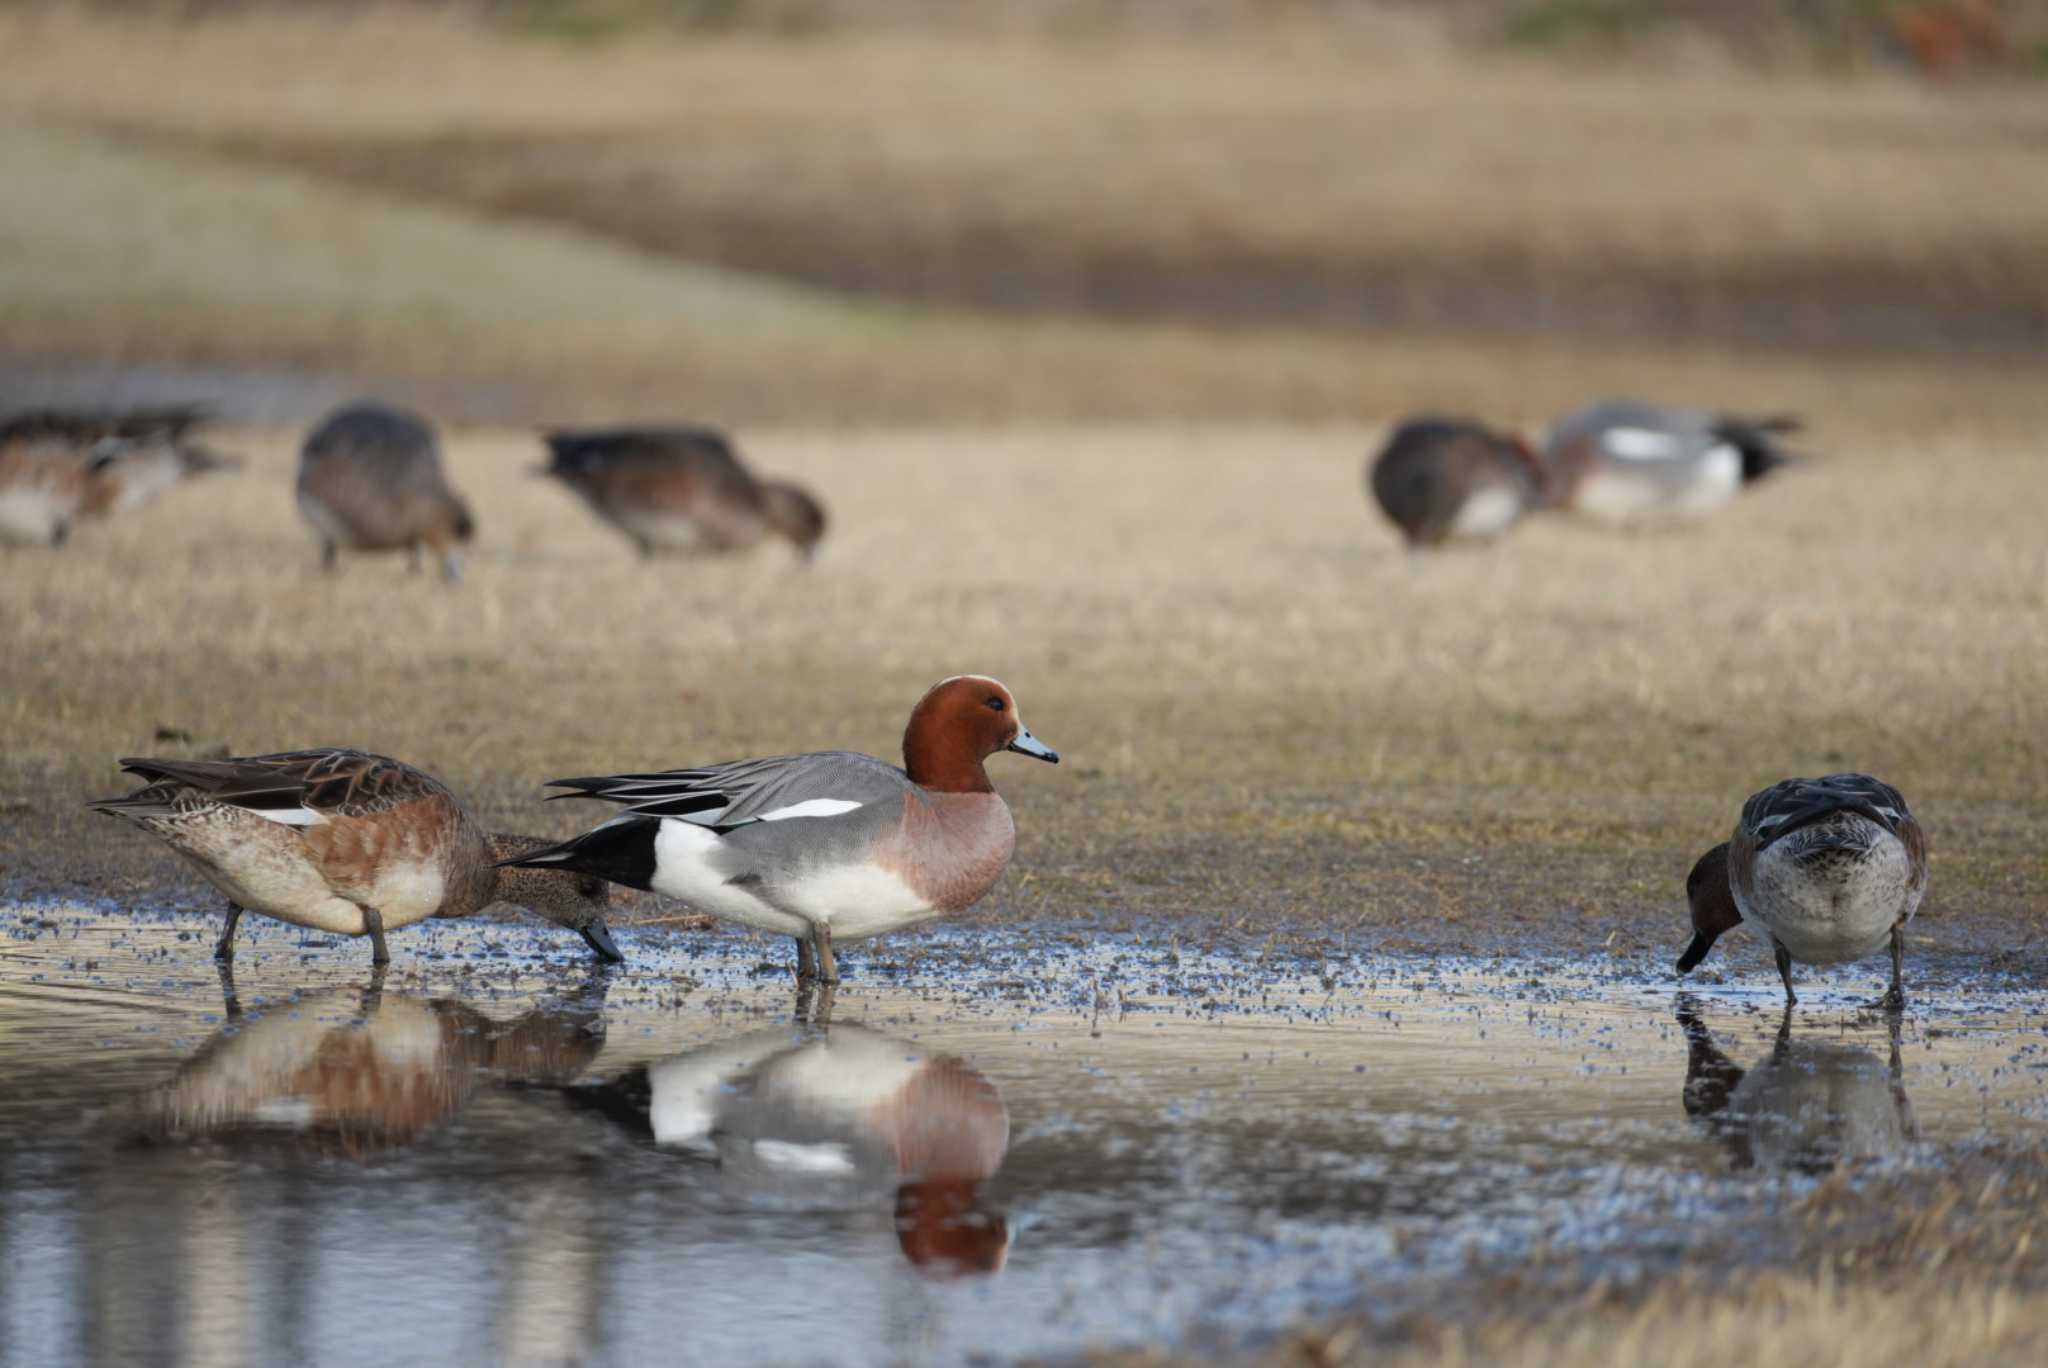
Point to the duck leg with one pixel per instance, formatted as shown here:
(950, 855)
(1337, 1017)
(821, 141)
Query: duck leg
(231, 1003)
(373, 924)
(1894, 1000)
(828, 967)
(806, 960)
(224, 948)
(330, 556)
(1784, 969)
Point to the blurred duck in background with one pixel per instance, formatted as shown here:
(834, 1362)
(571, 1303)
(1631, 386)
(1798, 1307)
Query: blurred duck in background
(58, 467)
(1621, 460)
(1446, 479)
(681, 489)
(370, 479)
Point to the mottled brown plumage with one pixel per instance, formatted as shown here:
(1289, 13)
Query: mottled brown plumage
(371, 479)
(680, 488)
(344, 841)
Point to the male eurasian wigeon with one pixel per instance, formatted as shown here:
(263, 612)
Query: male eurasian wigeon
(1808, 1106)
(681, 489)
(1623, 459)
(836, 1120)
(1829, 869)
(370, 479)
(1439, 479)
(827, 846)
(57, 468)
(345, 842)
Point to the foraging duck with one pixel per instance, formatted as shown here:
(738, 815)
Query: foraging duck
(827, 846)
(681, 489)
(1623, 459)
(1439, 479)
(345, 842)
(1808, 1107)
(57, 468)
(371, 479)
(836, 1120)
(1828, 868)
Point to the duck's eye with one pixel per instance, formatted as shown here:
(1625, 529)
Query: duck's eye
(995, 701)
(590, 888)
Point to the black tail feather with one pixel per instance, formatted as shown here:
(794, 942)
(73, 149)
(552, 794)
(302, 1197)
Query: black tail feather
(621, 852)
(1755, 439)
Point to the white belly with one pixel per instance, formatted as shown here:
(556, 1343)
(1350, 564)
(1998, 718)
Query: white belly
(1828, 914)
(666, 531)
(1487, 513)
(30, 515)
(854, 901)
(1620, 491)
(265, 869)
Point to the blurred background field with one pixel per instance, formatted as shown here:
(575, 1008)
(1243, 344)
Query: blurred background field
(1082, 319)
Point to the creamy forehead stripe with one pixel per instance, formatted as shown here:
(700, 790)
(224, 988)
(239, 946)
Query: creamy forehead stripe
(811, 807)
(1640, 444)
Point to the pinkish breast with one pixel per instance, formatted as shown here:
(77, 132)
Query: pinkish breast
(950, 847)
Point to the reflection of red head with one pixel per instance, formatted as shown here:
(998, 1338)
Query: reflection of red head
(945, 1234)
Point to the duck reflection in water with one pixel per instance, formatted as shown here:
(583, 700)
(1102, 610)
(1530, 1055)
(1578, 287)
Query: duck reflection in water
(355, 1071)
(833, 1119)
(1809, 1106)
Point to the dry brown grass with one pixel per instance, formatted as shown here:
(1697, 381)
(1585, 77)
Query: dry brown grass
(1277, 178)
(1266, 707)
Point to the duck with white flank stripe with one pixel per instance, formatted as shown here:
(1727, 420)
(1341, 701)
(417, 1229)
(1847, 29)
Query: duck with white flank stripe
(347, 842)
(832, 845)
(1444, 479)
(1829, 869)
(1622, 459)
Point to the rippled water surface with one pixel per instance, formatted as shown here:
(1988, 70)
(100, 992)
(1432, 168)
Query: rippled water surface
(997, 1144)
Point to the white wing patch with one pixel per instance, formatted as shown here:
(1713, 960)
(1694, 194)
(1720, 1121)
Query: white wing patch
(298, 816)
(810, 807)
(1640, 444)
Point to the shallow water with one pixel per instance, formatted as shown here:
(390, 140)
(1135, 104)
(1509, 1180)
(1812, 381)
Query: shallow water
(1003, 1143)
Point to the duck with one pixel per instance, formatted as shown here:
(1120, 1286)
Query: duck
(58, 468)
(826, 846)
(1444, 479)
(1830, 869)
(681, 489)
(347, 842)
(834, 1119)
(1620, 460)
(371, 479)
(1808, 1106)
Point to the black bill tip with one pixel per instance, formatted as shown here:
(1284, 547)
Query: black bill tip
(598, 937)
(1695, 952)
